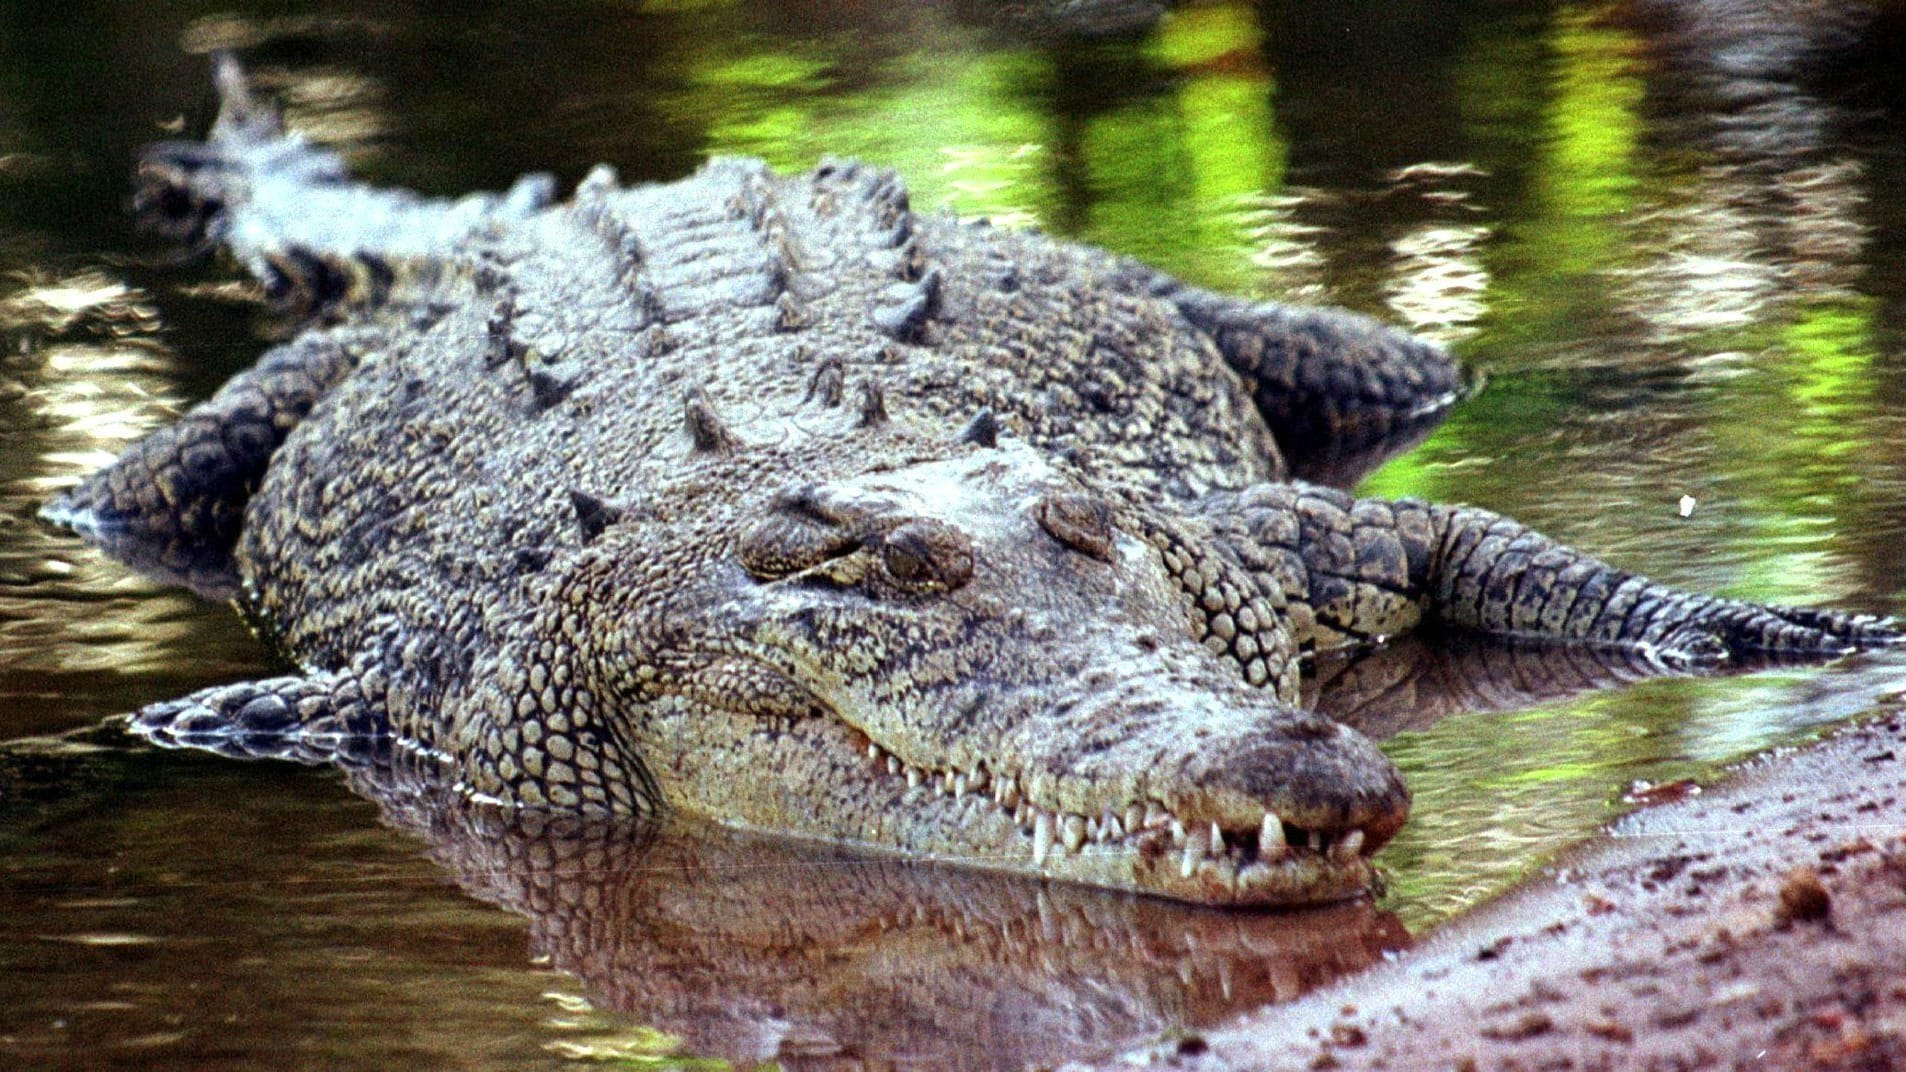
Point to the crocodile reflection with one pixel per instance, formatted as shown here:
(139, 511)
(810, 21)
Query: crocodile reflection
(1414, 682)
(754, 949)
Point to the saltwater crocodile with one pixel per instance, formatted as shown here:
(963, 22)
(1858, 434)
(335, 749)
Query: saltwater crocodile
(771, 499)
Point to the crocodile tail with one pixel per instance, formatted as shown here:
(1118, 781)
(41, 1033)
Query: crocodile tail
(322, 245)
(187, 191)
(1496, 575)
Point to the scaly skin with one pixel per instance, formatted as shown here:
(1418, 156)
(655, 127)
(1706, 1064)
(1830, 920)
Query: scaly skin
(769, 499)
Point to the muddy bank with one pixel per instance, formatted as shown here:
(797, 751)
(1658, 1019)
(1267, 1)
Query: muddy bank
(1759, 924)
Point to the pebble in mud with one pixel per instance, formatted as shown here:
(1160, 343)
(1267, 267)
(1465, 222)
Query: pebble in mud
(1802, 898)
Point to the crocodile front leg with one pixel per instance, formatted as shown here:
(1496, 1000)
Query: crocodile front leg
(1358, 570)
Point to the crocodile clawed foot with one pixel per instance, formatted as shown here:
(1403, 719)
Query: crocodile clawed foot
(295, 718)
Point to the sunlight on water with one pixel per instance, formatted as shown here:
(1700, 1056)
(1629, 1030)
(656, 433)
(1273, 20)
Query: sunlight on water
(91, 377)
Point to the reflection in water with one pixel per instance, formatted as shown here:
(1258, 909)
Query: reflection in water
(1418, 680)
(751, 949)
(1282, 247)
(1439, 282)
(331, 105)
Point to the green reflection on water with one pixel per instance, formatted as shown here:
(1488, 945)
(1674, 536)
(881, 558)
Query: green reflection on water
(1566, 238)
(1800, 433)
(1497, 795)
(1169, 174)
(981, 129)
(1594, 128)
(970, 142)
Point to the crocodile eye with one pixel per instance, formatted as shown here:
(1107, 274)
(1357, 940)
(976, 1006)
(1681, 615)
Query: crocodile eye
(1081, 522)
(927, 556)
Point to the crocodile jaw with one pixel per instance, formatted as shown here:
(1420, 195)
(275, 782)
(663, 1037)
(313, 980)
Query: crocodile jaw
(1178, 821)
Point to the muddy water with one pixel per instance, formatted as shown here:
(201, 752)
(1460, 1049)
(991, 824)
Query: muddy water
(1686, 281)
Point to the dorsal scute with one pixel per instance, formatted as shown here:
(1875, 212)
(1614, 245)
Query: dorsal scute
(872, 408)
(708, 434)
(827, 384)
(593, 513)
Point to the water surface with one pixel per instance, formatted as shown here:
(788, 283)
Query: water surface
(1681, 286)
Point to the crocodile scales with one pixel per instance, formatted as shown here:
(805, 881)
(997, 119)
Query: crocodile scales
(768, 498)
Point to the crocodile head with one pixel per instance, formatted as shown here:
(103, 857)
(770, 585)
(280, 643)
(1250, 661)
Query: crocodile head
(974, 657)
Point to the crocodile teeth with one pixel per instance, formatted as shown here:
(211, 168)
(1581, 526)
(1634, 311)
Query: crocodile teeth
(913, 778)
(1347, 847)
(1134, 817)
(1041, 838)
(894, 766)
(977, 780)
(1074, 833)
(960, 785)
(948, 782)
(1194, 852)
(1112, 830)
(1177, 832)
(873, 751)
(1270, 837)
(1217, 837)
(1155, 815)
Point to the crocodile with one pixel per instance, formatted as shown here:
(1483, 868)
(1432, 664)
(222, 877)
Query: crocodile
(768, 498)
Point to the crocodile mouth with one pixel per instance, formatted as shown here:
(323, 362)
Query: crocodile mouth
(1273, 861)
(1210, 825)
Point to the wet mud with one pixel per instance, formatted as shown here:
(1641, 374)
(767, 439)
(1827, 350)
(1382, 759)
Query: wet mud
(1760, 923)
